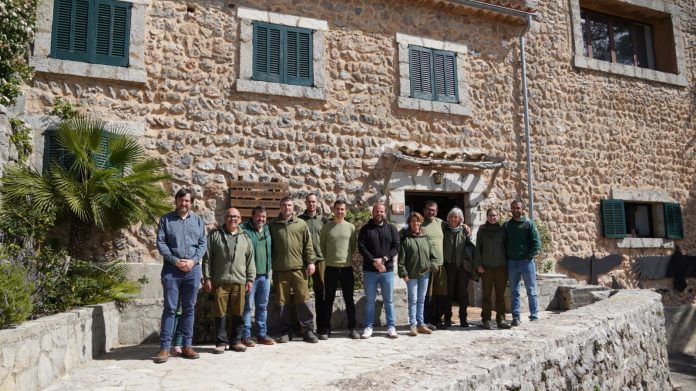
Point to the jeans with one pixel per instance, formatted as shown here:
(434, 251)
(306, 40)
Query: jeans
(174, 282)
(526, 270)
(345, 276)
(416, 299)
(258, 297)
(386, 285)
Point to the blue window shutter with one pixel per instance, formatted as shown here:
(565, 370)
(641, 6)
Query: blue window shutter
(674, 228)
(267, 52)
(111, 31)
(69, 40)
(445, 76)
(613, 218)
(298, 57)
(420, 65)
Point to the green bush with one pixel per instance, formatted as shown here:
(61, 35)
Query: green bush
(15, 294)
(358, 218)
(544, 263)
(16, 35)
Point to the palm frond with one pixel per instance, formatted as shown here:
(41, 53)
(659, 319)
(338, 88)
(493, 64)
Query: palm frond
(20, 182)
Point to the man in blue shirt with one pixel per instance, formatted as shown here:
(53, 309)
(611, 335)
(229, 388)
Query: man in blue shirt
(181, 241)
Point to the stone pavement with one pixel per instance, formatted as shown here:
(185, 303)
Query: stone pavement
(295, 365)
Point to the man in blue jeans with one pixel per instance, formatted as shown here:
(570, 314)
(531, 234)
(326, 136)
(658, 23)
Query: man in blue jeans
(523, 244)
(260, 236)
(181, 241)
(378, 243)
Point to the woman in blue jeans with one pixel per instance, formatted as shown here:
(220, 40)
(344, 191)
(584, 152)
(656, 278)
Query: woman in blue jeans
(416, 258)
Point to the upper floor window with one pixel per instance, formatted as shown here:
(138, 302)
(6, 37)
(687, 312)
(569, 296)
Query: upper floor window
(92, 31)
(640, 219)
(282, 54)
(433, 74)
(618, 40)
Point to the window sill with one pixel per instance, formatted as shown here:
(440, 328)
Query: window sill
(645, 243)
(434, 106)
(96, 71)
(264, 87)
(629, 71)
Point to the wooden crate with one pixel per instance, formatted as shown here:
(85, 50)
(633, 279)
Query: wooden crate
(245, 195)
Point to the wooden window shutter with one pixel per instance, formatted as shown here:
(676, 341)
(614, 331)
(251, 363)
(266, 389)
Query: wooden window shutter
(613, 218)
(298, 57)
(69, 40)
(267, 52)
(420, 72)
(111, 29)
(101, 158)
(54, 153)
(445, 76)
(674, 228)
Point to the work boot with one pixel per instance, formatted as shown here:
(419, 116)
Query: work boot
(353, 334)
(423, 329)
(162, 356)
(515, 322)
(310, 337)
(285, 338)
(238, 347)
(248, 342)
(265, 340)
(486, 324)
(189, 353)
(503, 325)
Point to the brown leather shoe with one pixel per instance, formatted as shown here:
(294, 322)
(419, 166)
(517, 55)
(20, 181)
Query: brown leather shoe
(162, 356)
(265, 340)
(248, 342)
(189, 353)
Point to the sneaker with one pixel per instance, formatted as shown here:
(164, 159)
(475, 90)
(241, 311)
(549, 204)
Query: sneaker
(353, 334)
(503, 325)
(248, 342)
(486, 324)
(413, 331)
(367, 333)
(285, 338)
(423, 329)
(265, 340)
(391, 332)
(238, 347)
(219, 349)
(464, 323)
(310, 337)
(175, 351)
(515, 322)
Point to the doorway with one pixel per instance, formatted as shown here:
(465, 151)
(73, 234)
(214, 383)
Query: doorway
(415, 202)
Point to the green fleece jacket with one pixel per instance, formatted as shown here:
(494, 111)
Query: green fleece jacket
(291, 244)
(315, 224)
(490, 246)
(230, 258)
(523, 241)
(434, 229)
(338, 242)
(416, 255)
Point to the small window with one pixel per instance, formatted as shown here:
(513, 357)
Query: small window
(617, 40)
(54, 153)
(92, 31)
(433, 74)
(621, 219)
(282, 54)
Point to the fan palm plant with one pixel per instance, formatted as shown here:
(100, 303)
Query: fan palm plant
(100, 178)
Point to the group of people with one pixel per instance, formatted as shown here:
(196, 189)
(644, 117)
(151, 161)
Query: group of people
(237, 262)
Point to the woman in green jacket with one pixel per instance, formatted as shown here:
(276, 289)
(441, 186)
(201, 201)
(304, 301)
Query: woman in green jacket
(416, 258)
(490, 262)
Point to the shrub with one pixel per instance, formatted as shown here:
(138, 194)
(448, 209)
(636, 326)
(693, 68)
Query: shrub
(544, 263)
(16, 35)
(358, 218)
(15, 294)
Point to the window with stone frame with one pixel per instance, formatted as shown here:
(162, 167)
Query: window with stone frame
(92, 31)
(433, 74)
(282, 54)
(54, 153)
(640, 219)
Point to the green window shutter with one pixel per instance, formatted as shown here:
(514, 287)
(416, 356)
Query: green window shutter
(267, 52)
(420, 72)
(298, 56)
(53, 152)
(69, 40)
(674, 228)
(101, 158)
(111, 30)
(613, 218)
(445, 76)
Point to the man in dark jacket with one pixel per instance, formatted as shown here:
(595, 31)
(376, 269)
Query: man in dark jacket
(522, 245)
(378, 243)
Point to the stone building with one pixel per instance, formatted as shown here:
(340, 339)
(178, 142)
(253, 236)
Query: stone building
(399, 99)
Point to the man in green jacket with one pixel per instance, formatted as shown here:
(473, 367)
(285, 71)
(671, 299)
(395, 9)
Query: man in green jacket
(522, 245)
(315, 222)
(229, 272)
(293, 263)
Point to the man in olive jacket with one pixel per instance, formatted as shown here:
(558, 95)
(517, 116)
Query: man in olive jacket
(293, 263)
(229, 272)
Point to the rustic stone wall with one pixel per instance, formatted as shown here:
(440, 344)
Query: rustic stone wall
(592, 132)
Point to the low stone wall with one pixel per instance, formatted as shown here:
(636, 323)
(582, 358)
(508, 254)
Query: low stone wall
(36, 353)
(680, 323)
(614, 344)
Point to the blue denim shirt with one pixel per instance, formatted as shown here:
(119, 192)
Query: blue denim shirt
(179, 238)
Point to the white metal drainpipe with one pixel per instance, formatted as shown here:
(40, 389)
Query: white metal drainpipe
(525, 100)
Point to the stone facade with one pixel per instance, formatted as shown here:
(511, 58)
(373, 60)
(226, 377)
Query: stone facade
(594, 130)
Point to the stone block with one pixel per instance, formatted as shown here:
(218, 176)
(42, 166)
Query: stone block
(312, 24)
(573, 297)
(253, 14)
